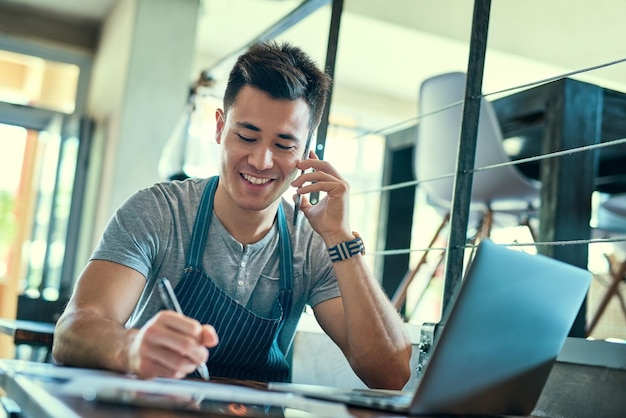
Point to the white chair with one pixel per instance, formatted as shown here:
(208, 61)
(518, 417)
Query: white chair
(611, 222)
(436, 150)
(612, 215)
(500, 190)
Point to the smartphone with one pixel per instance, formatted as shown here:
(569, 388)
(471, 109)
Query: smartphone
(305, 155)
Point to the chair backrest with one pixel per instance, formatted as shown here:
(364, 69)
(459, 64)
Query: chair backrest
(612, 214)
(437, 145)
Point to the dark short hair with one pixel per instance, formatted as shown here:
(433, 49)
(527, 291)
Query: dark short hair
(284, 72)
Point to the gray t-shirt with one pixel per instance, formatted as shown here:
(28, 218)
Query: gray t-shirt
(151, 233)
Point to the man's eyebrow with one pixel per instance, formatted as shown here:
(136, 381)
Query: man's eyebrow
(250, 126)
(288, 137)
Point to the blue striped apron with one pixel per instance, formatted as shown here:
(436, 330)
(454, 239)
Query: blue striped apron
(248, 346)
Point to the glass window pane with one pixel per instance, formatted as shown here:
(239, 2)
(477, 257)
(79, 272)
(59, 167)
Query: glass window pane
(13, 143)
(37, 171)
(60, 217)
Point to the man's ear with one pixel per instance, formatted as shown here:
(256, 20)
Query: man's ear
(220, 119)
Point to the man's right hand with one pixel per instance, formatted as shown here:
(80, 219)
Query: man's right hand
(91, 331)
(170, 345)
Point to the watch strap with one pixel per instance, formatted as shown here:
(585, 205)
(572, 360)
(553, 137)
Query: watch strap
(347, 249)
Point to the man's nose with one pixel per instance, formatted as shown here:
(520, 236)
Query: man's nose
(261, 158)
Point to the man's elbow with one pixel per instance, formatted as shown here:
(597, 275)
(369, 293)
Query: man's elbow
(402, 377)
(392, 374)
(393, 379)
(67, 345)
(57, 355)
(58, 352)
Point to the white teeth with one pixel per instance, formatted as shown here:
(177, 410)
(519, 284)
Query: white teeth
(255, 180)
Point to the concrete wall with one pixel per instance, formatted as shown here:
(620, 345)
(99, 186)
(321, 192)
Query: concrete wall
(141, 75)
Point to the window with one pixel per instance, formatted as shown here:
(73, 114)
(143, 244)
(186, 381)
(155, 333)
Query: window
(45, 143)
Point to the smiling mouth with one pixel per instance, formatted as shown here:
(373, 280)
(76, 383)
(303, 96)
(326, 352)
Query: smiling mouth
(255, 180)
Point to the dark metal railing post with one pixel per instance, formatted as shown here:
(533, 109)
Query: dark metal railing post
(467, 150)
(331, 57)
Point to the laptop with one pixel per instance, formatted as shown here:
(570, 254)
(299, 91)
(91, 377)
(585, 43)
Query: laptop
(505, 326)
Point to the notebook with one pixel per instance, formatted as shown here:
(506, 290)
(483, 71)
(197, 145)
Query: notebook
(506, 324)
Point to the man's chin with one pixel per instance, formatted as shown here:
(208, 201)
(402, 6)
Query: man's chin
(255, 204)
(254, 207)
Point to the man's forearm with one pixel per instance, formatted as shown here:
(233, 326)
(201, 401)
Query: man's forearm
(85, 339)
(379, 346)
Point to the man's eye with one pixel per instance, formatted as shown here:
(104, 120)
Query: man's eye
(243, 138)
(285, 147)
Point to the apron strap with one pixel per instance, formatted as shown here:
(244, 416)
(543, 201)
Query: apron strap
(201, 224)
(286, 262)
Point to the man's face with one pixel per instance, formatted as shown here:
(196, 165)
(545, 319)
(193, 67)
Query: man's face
(261, 140)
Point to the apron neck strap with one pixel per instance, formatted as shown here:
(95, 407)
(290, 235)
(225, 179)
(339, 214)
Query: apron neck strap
(286, 260)
(201, 224)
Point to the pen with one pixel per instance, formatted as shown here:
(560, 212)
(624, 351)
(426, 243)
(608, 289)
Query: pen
(299, 197)
(169, 300)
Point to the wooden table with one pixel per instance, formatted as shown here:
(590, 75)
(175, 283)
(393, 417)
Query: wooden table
(32, 333)
(562, 115)
(28, 332)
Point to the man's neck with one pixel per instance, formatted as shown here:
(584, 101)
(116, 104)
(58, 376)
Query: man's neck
(246, 226)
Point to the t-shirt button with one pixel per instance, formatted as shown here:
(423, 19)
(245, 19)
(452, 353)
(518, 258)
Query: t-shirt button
(240, 282)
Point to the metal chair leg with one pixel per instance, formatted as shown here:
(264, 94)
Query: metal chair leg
(617, 272)
(399, 296)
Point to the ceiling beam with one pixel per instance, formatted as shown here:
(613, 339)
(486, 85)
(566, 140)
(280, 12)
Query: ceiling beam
(30, 23)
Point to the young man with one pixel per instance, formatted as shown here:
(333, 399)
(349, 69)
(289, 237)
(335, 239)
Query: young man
(241, 269)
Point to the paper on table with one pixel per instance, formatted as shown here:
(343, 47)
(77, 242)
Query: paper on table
(90, 387)
(87, 382)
